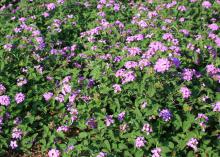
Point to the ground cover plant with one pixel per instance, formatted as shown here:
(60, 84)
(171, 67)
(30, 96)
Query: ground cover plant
(110, 78)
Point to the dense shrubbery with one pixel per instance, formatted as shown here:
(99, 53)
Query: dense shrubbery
(110, 78)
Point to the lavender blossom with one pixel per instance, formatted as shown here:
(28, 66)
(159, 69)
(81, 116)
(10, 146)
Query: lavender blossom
(165, 114)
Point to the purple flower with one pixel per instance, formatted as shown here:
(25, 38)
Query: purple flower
(4, 100)
(50, 6)
(8, 47)
(117, 88)
(140, 142)
(72, 97)
(130, 64)
(143, 63)
(60, 98)
(202, 116)
(17, 121)
(21, 81)
(121, 116)
(192, 143)
(16, 133)
(156, 152)
(60, 1)
(165, 114)
(211, 69)
(133, 51)
(176, 62)
(91, 123)
(147, 128)
(213, 27)
(71, 147)
(167, 36)
(162, 65)
(186, 93)
(91, 83)
(128, 77)
(187, 74)
(109, 120)
(54, 153)
(66, 89)
(1, 123)
(157, 46)
(13, 144)
(45, 14)
(206, 4)
(102, 154)
(216, 107)
(19, 98)
(181, 8)
(62, 128)
(2, 89)
(217, 41)
(47, 96)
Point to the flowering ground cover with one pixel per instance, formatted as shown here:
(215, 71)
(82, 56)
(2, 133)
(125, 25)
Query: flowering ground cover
(110, 78)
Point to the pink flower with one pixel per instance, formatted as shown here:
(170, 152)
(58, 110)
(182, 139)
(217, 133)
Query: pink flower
(213, 27)
(192, 143)
(187, 74)
(162, 65)
(54, 153)
(134, 51)
(4, 100)
(140, 142)
(13, 144)
(47, 96)
(50, 6)
(186, 93)
(8, 47)
(130, 64)
(206, 4)
(117, 88)
(109, 120)
(2, 89)
(66, 89)
(216, 107)
(19, 98)
(217, 41)
(147, 128)
(156, 152)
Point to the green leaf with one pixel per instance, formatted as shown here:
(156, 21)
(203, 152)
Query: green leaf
(107, 144)
(83, 135)
(139, 153)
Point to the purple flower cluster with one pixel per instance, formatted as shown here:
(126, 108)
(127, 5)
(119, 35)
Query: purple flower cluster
(2, 89)
(147, 128)
(4, 100)
(102, 154)
(117, 88)
(126, 76)
(187, 74)
(140, 142)
(186, 93)
(19, 98)
(109, 120)
(156, 152)
(47, 96)
(165, 114)
(216, 107)
(54, 153)
(121, 116)
(162, 65)
(192, 143)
